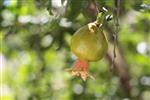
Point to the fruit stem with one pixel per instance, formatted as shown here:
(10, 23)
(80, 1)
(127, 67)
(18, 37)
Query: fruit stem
(100, 18)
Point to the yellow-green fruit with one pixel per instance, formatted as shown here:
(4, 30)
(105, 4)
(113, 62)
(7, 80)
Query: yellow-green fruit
(89, 43)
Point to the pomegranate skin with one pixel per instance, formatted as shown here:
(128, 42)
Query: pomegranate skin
(89, 43)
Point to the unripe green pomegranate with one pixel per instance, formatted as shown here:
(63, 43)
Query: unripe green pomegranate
(89, 43)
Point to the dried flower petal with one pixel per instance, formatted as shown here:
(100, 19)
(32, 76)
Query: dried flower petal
(81, 69)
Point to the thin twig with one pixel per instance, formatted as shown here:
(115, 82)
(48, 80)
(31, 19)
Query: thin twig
(94, 2)
(117, 12)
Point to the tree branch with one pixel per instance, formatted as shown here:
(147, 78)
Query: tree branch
(117, 12)
(94, 2)
(120, 66)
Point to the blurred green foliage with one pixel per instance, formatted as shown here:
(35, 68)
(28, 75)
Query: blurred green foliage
(35, 37)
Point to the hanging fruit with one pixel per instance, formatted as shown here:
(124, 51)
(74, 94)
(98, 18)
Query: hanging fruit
(88, 43)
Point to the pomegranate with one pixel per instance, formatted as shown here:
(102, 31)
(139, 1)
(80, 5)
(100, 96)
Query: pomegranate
(89, 43)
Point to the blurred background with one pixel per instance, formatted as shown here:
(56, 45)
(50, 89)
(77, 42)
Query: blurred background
(35, 37)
